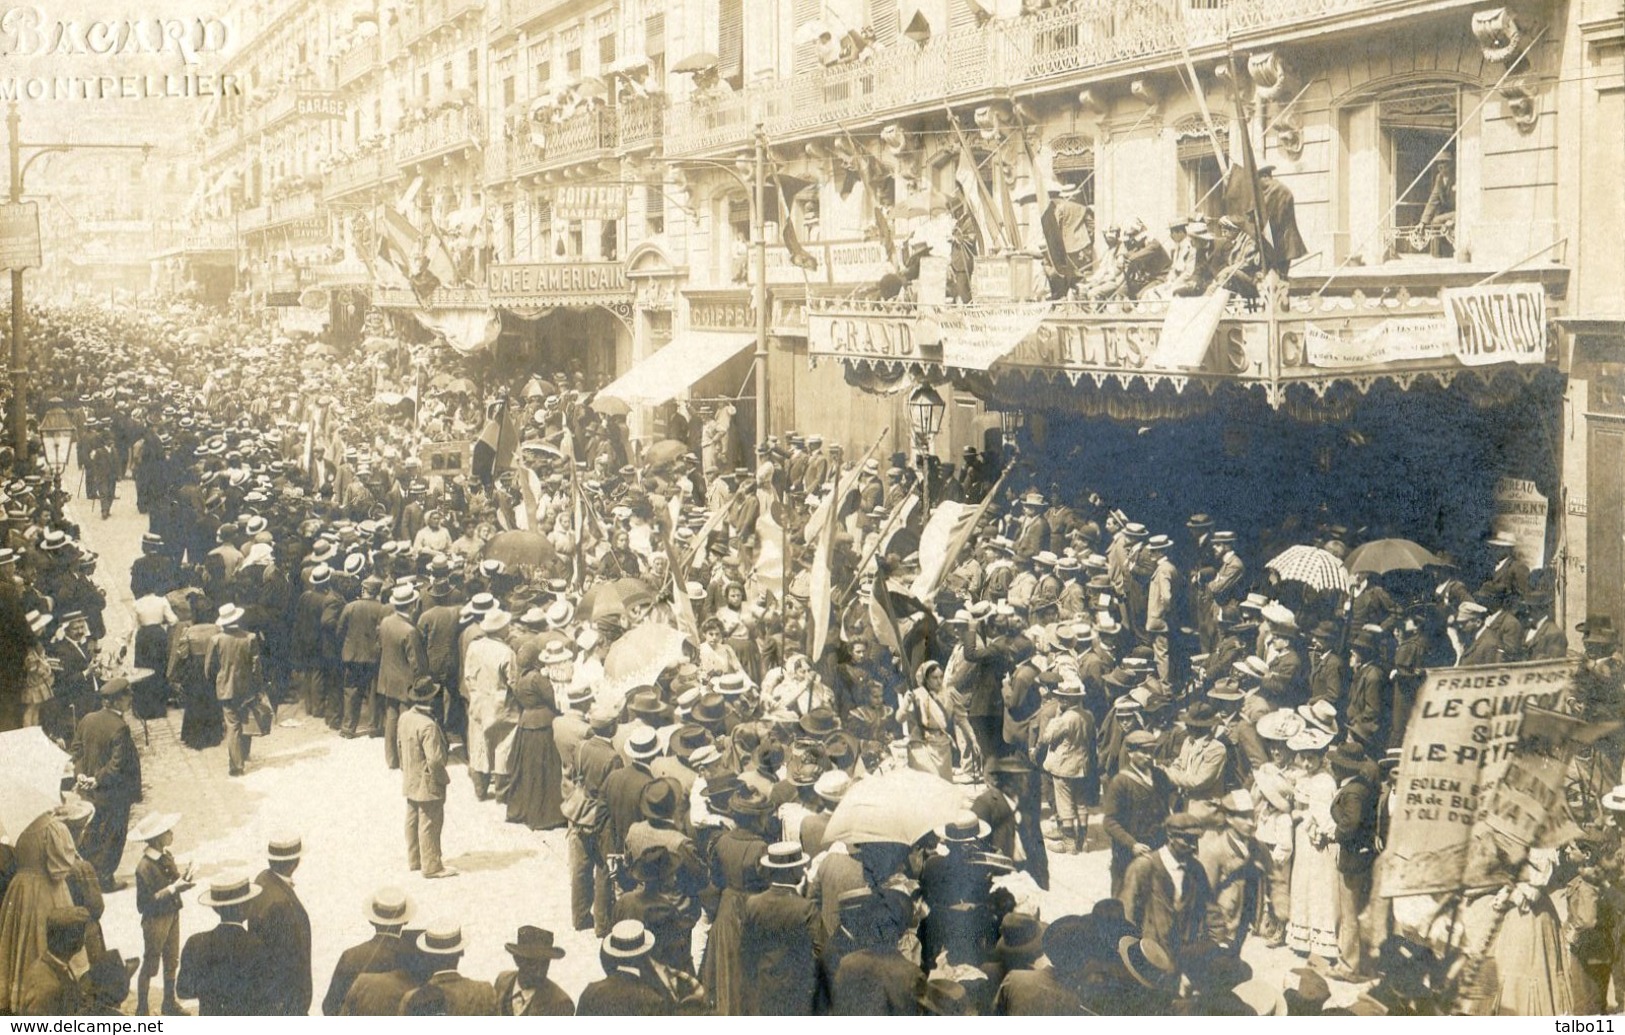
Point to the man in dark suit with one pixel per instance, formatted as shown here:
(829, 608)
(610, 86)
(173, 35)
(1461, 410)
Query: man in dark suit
(1134, 805)
(1546, 640)
(623, 788)
(528, 991)
(279, 920)
(226, 969)
(315, 623)
(401, 663)
(1509, 579)
(1354, 811)
(465, 997)
(422, 756)
(874, 979)
(155, 571)
(587, 839)
(1328, 674)
(629, 986)
(109, 774)
(1367, 711)
(359, 652)
(49, 988)
(1173, 916)
(1011, 806)
(389, 910)
(781, 940)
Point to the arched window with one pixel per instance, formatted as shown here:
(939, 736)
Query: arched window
(1200, 169)
(1418, 128)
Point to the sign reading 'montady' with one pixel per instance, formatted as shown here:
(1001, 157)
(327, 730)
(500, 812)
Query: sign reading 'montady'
(1497, 324)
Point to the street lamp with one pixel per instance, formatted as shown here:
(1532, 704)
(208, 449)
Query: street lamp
(925, 410)
(56, 434)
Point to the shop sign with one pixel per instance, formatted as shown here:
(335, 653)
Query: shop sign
(976, 337)
(863, 337)
(789, 317)
(1464, 734)
(1520, 511)
(309, 228)
(19, 235)
(604, 201)
(558, 282)
(1497, 324)
(721, 314)
(320, 104)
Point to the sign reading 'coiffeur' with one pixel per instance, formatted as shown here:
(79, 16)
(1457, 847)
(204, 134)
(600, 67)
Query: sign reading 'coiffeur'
(589, 201)
(559, 282)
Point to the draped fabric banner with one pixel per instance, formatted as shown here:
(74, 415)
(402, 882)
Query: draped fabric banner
(1187, 331)
(1394, 340)
(1500, 323)
(1464, 733)
(466, 330)
(976, 337)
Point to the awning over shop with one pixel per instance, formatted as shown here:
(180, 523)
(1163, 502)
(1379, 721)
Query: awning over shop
(466, 330)
(660, 377)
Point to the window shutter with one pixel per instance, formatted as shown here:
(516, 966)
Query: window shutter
(806, 56)
(654, 31)
(606, 51)
(731, 40)
(881, 17)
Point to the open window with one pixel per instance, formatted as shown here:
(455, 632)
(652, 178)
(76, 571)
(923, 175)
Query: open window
(1200, 170)
(1417, 128)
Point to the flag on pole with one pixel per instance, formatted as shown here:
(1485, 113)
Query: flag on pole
(820, 590)
(494, 449)
(945, 537)
(769, 572)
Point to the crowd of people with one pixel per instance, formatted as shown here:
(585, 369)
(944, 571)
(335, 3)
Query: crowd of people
(688, 665)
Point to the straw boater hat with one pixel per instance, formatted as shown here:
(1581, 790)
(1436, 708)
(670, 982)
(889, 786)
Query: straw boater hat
(785, 855)
(1614, 800)
(233, 887)
(627, 940)
(1281, 724)
(389, 907)
(442, 939)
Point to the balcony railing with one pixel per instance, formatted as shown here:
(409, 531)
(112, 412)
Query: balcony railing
(1060, 41)
(359, 174)
(498, 151)
(444, 132)
(279, 107)
(295, 206)
(582, 136)
(360, 60)
(642, 123)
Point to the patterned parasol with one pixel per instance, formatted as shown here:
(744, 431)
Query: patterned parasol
(1311, 566)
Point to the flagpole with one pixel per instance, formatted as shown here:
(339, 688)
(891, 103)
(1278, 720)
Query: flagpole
(870, 555)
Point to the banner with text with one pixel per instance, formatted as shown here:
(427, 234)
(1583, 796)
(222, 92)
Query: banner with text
(1399, 340)
(1463, 734)
(1520, 511)
(1501, 323)
(976, 337)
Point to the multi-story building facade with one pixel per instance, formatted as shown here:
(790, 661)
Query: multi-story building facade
(592, 169)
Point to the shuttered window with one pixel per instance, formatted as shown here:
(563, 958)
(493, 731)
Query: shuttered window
(731, 40)
(806, 55)
(881, 17)
(654, 33)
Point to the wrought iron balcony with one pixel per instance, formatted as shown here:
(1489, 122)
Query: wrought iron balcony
(452, 129)
(1057, 43)
(642, 123)
(300, 205)
(358, 61)
(584, 136)
(358, 174)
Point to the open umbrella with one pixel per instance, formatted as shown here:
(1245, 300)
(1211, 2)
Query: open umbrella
(697, 62)
(1384, 555)
(901, 806)
(639, 657)
(538, 387)
(377, 344)
(460, 386)
(1311, 566)
(664, 452)
(611, 406)
(519, 547)
(31, 771)
(615, 595)
(319, 349)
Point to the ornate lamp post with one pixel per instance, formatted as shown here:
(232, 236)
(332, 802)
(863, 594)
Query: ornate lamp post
(56, 434)
(925, 410)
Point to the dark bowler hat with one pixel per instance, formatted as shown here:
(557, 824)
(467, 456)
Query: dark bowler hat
(658, 801)
(820, 722)
(534, 943)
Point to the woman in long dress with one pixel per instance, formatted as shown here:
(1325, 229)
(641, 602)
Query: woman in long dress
(927, 722)
(534, 795)
(45, 859)
(202, 721)
(1312, 927)
(1530, 951)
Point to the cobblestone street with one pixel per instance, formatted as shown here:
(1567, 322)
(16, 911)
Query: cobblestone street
(348, 808)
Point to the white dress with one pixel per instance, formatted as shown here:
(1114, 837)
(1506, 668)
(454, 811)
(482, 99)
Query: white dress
(1312, 927)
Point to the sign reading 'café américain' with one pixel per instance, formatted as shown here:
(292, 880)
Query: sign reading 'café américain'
(558, 283)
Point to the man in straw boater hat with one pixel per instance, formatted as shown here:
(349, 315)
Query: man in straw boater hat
(226, 968)
(528, 991)
(108, 770)
(629, 986)
(781, 939)
(402, 663)
(388, 910)
(279, 919)
(159, 882)
(234, 666)
(424, 780)
(443, 945)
